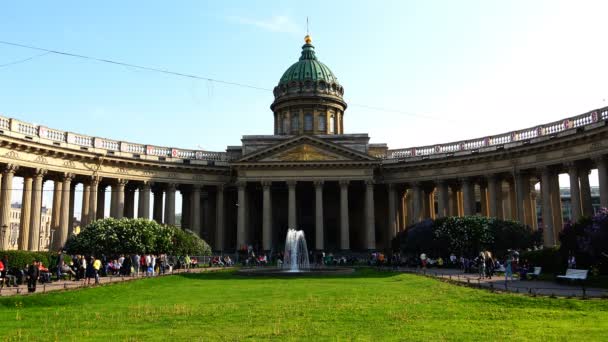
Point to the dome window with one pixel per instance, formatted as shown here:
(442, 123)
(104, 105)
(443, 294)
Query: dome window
(295, 123)
(308, 122)
(322, 123)
(331, 124)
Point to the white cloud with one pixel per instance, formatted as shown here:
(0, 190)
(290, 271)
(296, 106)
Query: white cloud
(277, 23)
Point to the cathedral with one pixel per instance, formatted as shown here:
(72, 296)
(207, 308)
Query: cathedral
(311, 174)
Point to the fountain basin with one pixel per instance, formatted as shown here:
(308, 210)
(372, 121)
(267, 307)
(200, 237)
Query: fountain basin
(277, 272)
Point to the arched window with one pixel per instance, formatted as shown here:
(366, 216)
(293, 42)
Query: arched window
(322, 123)
(295, 123)
(308, 122)
(331, 124)
(285, 125)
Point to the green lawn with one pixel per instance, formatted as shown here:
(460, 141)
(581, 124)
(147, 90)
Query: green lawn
(367, 306)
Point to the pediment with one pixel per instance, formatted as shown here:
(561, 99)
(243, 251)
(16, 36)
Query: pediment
(306, 149)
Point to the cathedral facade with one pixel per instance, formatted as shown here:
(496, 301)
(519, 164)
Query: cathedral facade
(345, 193)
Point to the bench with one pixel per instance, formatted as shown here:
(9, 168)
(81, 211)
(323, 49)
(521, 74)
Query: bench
(536, 273)
(574, 274)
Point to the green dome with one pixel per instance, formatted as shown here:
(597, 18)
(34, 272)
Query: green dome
(308, 68)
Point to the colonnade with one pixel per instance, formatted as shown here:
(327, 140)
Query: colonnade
(505, 195)
(122, 203)
(243, 236)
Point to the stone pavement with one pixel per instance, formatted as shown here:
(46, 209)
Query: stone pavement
(70, 284)
(534, 287)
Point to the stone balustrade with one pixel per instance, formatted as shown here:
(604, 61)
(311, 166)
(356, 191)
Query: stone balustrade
(44, 135)
(588, 120)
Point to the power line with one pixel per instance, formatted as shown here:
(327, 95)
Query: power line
(23, 60)
(197, 77)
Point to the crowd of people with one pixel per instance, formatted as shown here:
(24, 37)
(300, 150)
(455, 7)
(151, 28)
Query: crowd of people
(89, 269)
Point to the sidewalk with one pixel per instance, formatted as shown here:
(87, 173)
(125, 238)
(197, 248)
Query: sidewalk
(70, 284)
(535, 287)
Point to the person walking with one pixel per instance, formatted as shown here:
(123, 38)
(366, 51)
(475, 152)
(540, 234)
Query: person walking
(508, 269)
(96, 268)
(32, 276)
(136, 262)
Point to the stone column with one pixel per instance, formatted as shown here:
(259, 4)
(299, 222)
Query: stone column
(195, 209)
(547, 208)
(113, 200)
(7, 190)
(241, 230)
(416, 202)
(391, 230)
(370, 219)
(157, 211)
(61, 235)
(468, 197)
(575, 193)
(186, 218)
(129, 211)
(170, 204)
(400, 211)
(492, 196)
(56, 209)
(344, 225)
(292, 219)
(602, 174)
(72, 207)
(93, 194)
(512, 206)
(528, 217)
(319, 228)
(120, 198)
(556, 204)
(454, 200)
(101, 202)
(442, 198)
(266, 216)
(587, 205)
(219, 218)
(34, 235)
(86, 196)
(520, 197)
(483, 199)
(26, 206)
(143, 206)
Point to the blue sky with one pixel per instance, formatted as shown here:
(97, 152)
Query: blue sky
(465, 68)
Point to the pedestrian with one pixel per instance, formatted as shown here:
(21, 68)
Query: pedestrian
(96, 268)
(90, 271)
(508, 269)
(32, 276)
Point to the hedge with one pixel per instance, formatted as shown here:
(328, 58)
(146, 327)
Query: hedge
(19, 259)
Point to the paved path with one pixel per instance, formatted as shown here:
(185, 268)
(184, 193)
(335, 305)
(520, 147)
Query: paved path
(539, 287)
(68, 284)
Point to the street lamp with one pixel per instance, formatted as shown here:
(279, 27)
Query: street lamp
(4, 227)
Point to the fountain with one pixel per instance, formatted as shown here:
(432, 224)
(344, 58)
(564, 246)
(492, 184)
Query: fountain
(295, 261)
(296, 252)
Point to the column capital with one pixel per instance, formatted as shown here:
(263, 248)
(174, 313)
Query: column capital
(241, 184)
(571, 166)
(415, 185)
(344, 182)
(67, 177)
(220, 187)
(266, 184)
(122, 181)
(390, 186)
(94, 180)
(171, 187)
(369, 182)
(10, 168)
(145, 186)
(599, 159)
(318, 183)
(39, 173)
(440, 182)
(291, 183)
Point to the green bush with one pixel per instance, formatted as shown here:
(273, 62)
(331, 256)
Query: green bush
(20, 259)
(113, 237)
(550, 259)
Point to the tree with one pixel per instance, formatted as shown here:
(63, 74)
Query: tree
(134, 236)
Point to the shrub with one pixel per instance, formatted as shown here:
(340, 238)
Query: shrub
(112, 237)
(550, 259)
(20, 259)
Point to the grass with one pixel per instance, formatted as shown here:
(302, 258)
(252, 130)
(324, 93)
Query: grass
(366, 306)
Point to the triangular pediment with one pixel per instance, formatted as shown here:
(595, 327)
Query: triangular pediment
(306, 149)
